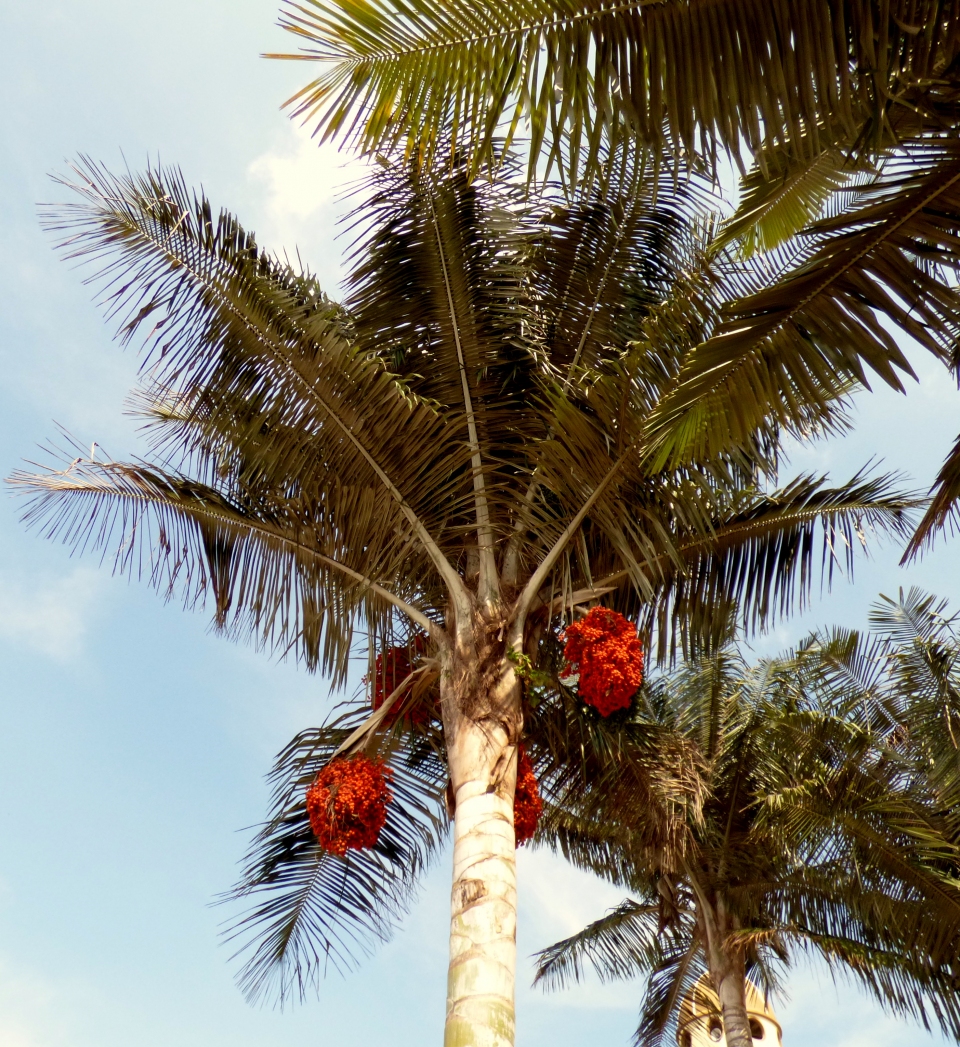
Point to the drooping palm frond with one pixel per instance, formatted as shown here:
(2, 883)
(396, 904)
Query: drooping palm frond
(632, 940)
(760, 551)
(908, 990)
(890, 254)
(312, 910)
(674, 978)
(577, 76)
(271, 571)
(615, 947)
(274, 399)
(872, 931)
(943, 510)
(761, 554)
(782, 198)
(585, 765)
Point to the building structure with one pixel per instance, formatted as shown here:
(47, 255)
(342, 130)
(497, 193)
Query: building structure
(700, 1023)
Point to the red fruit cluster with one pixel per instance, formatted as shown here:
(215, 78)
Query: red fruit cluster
(527, 805)
(603, 648)
(347, 804)
(393, 666)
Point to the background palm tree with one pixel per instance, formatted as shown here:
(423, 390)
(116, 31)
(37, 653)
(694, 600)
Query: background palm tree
(821, 829)
(511, 416)
(905, 676)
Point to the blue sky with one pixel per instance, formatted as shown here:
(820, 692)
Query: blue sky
(133, 743)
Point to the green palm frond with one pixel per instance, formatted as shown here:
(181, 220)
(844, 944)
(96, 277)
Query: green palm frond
(312, 910)
(621, 944)
(262, 366)
(846, 672)
(761, 555)
(943, 509)
(909, 991)
(921, 644)
(778, 201)
(680, 968)
(575, 76)
(583, 761)
(610, 260)
(272, 570)
(890, 254)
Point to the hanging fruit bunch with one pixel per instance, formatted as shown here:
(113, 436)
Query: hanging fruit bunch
(603, 649)
(527, 805)
(347, 804)
(392, 667)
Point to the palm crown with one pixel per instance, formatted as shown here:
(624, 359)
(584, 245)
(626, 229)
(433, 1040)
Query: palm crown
(520, 409)
(810, 91)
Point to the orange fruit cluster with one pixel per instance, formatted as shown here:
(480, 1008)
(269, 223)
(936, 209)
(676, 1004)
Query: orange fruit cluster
(527, 805)
(347, 804)
(392, 667)
(603, 648)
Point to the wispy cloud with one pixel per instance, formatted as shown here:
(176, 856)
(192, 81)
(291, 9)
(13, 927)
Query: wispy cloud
(557, 900)
(27, 1004)
(50, 615)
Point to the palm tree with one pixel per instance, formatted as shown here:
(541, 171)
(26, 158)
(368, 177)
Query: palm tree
(497, 427)
(818, 832)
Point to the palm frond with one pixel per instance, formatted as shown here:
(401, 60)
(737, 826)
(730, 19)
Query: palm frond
(779, 200)
(919, 639)
(908, 990)
(261, 364)
(943, 508)
(761, 555)
(619, 945)
(313, 910)
(674, 979)
(608, 260)
(578, 76)
(890, 255)
(273, 571)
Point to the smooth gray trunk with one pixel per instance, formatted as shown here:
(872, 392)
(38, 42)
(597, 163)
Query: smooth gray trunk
(726, 971)
(730, 988)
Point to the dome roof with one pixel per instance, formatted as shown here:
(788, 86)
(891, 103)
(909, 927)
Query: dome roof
(701, 1007)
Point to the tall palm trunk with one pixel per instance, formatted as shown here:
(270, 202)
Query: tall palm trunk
(481, 730)
(729, 982)
(726, 972)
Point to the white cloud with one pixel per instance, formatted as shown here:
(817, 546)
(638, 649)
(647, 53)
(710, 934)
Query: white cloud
(50, 615)
(558, 899)
(298, 198)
